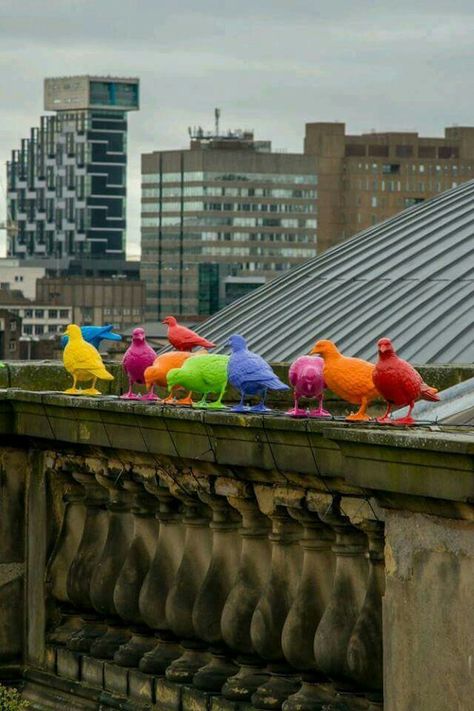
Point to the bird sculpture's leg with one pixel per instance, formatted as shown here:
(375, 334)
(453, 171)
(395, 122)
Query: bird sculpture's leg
(261, 407)
(92, 390)
(171, 400)
(130, 395)
(217, 405)
(241, 407)
(185, 400)
(320, 411)
(74, 390)
(361, 414)
(202, 402)
(408, 419)
(296, 411)
(150, 395)
(386, 419)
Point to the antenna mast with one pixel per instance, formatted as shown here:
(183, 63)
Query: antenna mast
(217, 114)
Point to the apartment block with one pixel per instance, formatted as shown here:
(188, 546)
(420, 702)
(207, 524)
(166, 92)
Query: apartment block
(222, 218)
(364, 179)
(67, 181)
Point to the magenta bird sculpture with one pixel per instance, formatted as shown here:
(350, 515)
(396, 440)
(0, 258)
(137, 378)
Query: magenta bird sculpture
(138, 357)
(306, 377)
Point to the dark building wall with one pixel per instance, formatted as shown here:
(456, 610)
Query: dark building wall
(10, 332)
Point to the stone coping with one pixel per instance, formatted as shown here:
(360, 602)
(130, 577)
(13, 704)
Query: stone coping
(336, 456)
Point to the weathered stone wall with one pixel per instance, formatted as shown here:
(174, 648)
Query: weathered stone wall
(428, 613)
(181, 560)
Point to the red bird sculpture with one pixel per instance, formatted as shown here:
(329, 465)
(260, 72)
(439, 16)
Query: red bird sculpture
(182, 338)
(399, 383)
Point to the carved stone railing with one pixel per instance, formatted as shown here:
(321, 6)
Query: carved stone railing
(182, 560)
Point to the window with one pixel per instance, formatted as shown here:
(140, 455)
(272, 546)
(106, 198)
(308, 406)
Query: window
(64, 313)
(39, 313)
(53, 313)
(39, 329)
(373, 201)
(404, 151)
(28, 330)
(12, 325)
(12, 346)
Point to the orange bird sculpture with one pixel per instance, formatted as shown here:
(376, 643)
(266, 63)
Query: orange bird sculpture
(156, 375)
(182, 338)
(349, 378)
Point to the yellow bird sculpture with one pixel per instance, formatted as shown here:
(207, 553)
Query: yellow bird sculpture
(84, 363)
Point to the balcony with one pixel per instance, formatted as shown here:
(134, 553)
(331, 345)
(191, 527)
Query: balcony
(173, 559)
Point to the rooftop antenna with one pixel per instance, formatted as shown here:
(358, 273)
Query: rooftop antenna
(217, 114)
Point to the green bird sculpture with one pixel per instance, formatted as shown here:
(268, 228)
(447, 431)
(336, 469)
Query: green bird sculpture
(202, 374)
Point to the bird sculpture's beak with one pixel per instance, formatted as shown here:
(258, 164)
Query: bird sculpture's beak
(314, 351)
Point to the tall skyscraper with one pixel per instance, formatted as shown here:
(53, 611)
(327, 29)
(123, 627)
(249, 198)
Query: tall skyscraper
(221, 218)
(365, 179)
(67, 181)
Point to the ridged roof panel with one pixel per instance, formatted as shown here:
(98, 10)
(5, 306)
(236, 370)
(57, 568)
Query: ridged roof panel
(410, 278)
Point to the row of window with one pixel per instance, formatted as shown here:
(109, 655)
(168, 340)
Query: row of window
(230, 221)
(39, 329)
(393, 186)
(42, 313)
(191, 206)
(394, 168)
(190, 176)
(213, 191)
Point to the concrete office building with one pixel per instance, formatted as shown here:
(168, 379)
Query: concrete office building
(368, 178)
(220, 219)
(67, 181)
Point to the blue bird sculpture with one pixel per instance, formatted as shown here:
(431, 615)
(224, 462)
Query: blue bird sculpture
(250, 374)
(95, 334)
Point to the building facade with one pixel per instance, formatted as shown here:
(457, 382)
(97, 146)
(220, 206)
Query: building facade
(95, 301)
(67, 181)
(365, 179)
(226, 209)
(14, 274)
(10, 333)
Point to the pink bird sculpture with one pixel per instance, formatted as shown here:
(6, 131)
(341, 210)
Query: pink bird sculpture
(138, 357)
(306, 377)
(182, 338)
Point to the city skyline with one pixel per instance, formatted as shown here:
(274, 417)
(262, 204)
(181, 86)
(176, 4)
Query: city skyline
(378, 68)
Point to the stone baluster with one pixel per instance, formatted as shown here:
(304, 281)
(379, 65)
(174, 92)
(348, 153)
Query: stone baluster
(308, 607)
(350, 583)
(184, 591)
(133, 573)
(106, 572)
(273, 607)
(212, 596)
(159, 580)
(365, 654)
(240, 605)
(89, 552)
(63, 555)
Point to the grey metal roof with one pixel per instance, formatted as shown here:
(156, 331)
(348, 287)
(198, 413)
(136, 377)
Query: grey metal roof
(409, 278)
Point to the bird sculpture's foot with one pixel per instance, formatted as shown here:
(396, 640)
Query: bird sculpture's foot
(319, 412)
(355, 417)
(216, 406)
(202, 404)
(385, 420)
(130, 396)
(239, 408)
(404, 421)
(90, 391)
(185, 401)
(72, 391)
(170, 400)
(260, 408)
(297, 412)
(149, 396)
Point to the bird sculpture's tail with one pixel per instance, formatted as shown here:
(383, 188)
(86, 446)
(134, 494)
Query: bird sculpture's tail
(429, 393)
(102, 374)
(204, 343)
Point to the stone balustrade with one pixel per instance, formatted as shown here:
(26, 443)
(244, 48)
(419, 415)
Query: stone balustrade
(181, 560)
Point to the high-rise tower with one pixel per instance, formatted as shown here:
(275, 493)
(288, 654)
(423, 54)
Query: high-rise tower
(67, 182)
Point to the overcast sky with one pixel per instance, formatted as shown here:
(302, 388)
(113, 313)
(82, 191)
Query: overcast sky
(270, 66)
